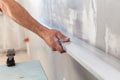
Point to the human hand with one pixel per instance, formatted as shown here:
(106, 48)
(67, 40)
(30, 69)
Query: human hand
(54, 38)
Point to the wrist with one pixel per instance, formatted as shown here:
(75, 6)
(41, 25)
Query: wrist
(43, 31)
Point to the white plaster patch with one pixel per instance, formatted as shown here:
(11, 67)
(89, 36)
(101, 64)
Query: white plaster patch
(72, 18)
(89, 23)
(64, 78)
(85, 29)
(92, 22)
(112, 43)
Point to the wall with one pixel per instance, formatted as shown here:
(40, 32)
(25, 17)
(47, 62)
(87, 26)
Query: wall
(56, 66)
(94, 21)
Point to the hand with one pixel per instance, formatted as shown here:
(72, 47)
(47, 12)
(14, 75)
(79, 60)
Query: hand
(54, 38)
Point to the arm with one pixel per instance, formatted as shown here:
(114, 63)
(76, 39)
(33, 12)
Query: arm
(16, 12)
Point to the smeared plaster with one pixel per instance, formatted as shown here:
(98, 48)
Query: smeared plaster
(89, 22)
(72, 18)
(112, 43)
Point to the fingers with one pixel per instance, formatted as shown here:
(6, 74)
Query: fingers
(62, 37)
(57, 46)
(54, 40)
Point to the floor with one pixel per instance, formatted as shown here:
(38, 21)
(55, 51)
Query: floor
(31, 70)
(25, 69)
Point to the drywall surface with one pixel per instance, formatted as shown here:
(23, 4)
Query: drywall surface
(94, 21)
(57, 66)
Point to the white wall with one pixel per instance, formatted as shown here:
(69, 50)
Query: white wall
(57, 66)
(94, 21)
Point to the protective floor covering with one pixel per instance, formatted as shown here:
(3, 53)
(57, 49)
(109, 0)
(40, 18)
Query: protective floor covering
(23, 71)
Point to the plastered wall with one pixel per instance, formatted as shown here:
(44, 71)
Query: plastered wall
(57, 66)
(94, 21)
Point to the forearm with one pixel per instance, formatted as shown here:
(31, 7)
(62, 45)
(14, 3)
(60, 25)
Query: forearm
(21, 16)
